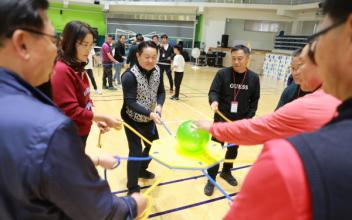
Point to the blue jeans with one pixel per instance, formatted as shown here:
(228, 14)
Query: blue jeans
(117, 75)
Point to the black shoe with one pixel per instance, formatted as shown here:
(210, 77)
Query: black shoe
(209, 189)
(112, 88)
(105, 87)
(227, 176)
(130, 192)
(174, 98)
(145, 174)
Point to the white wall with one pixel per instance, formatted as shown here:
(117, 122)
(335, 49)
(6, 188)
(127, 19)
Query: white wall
(215, 23)
(257, 40)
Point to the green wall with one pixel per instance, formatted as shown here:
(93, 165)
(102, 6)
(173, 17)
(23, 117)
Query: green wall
(93, 15)
(199, 28)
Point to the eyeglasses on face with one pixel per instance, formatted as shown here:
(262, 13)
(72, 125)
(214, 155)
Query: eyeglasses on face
(312, 40)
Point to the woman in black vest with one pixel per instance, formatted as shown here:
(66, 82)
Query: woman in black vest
(144, 95)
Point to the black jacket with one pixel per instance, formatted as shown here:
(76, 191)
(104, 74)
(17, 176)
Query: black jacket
(132, 55)
(119, 52)
(166, 56)
(291, 92)
(222, 91)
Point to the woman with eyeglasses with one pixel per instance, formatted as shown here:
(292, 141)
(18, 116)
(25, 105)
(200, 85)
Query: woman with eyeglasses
(70, 85)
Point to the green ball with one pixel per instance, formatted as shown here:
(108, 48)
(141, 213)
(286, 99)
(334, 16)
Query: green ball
(191, 139)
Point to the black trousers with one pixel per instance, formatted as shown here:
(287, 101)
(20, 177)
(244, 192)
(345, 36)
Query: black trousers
(231, 153)
(178, 80)
(107, 74)
(84, 140)
(149, 131)
(167, 69)
(91, 77)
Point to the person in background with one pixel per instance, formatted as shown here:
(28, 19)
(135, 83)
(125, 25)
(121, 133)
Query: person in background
(132, 54)
(178, 66)
(108, 61)
(165, 58)
(70, 85)
(143, 98)
(45, 173)
(293, 90)
(89, 70)
(120, 56)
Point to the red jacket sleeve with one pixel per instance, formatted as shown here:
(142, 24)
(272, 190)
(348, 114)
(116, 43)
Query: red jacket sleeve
(275, 188)
(66, 97)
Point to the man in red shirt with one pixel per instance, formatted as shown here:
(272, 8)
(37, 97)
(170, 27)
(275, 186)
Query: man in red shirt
(309, 176)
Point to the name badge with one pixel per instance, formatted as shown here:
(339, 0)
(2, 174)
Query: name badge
(234, 106)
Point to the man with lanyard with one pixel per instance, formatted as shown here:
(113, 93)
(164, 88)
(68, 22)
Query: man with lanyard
(165, 58)
(108, 61)
(234, 92)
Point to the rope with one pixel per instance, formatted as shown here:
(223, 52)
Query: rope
(227, 196)
(223, 116)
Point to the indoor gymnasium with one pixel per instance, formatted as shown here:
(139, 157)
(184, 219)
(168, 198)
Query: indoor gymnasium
(175, 110)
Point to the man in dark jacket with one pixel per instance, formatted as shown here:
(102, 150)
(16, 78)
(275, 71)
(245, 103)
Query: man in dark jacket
(165, 58)
(235, 92)
(132, 54)
(293, 90)
(45, 173)
(120, 56)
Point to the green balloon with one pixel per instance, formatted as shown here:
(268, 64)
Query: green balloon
(191, 139)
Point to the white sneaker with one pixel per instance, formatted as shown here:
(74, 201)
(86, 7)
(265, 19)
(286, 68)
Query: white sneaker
(98, 92)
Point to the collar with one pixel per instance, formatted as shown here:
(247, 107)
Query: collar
(17, 83)
(344, 112)
(144, 71)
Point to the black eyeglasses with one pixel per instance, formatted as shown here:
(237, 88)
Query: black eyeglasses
(312, 40)
(54, 38)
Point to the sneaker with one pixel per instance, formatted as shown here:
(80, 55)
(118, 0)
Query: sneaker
(98, 92)
(209, 189)
(111, 88)
(227, 176)
(173, 97)
(145, 174)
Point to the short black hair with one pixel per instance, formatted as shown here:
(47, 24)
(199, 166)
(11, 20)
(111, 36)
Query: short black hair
(155, 35)
(139, 38)
(146, 44)
(110, 35)
(73, 33)
(245, 49)
(297, 52)
(178, 47)
(164, 36)
(15, 14)
(338, 10)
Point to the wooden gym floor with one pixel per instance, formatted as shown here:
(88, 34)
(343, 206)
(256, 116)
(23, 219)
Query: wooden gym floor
(181, 196)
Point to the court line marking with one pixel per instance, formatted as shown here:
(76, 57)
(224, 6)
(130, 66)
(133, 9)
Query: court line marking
(180, 180)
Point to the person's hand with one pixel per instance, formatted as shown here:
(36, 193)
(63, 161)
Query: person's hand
(155, 117)
(214, 106)
(112, 122)
(203, 124)
(158, 109)
(141, 203)
(103, 127)
(106, 161)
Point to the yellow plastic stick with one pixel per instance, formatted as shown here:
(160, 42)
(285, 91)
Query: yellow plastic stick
(223, 116)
